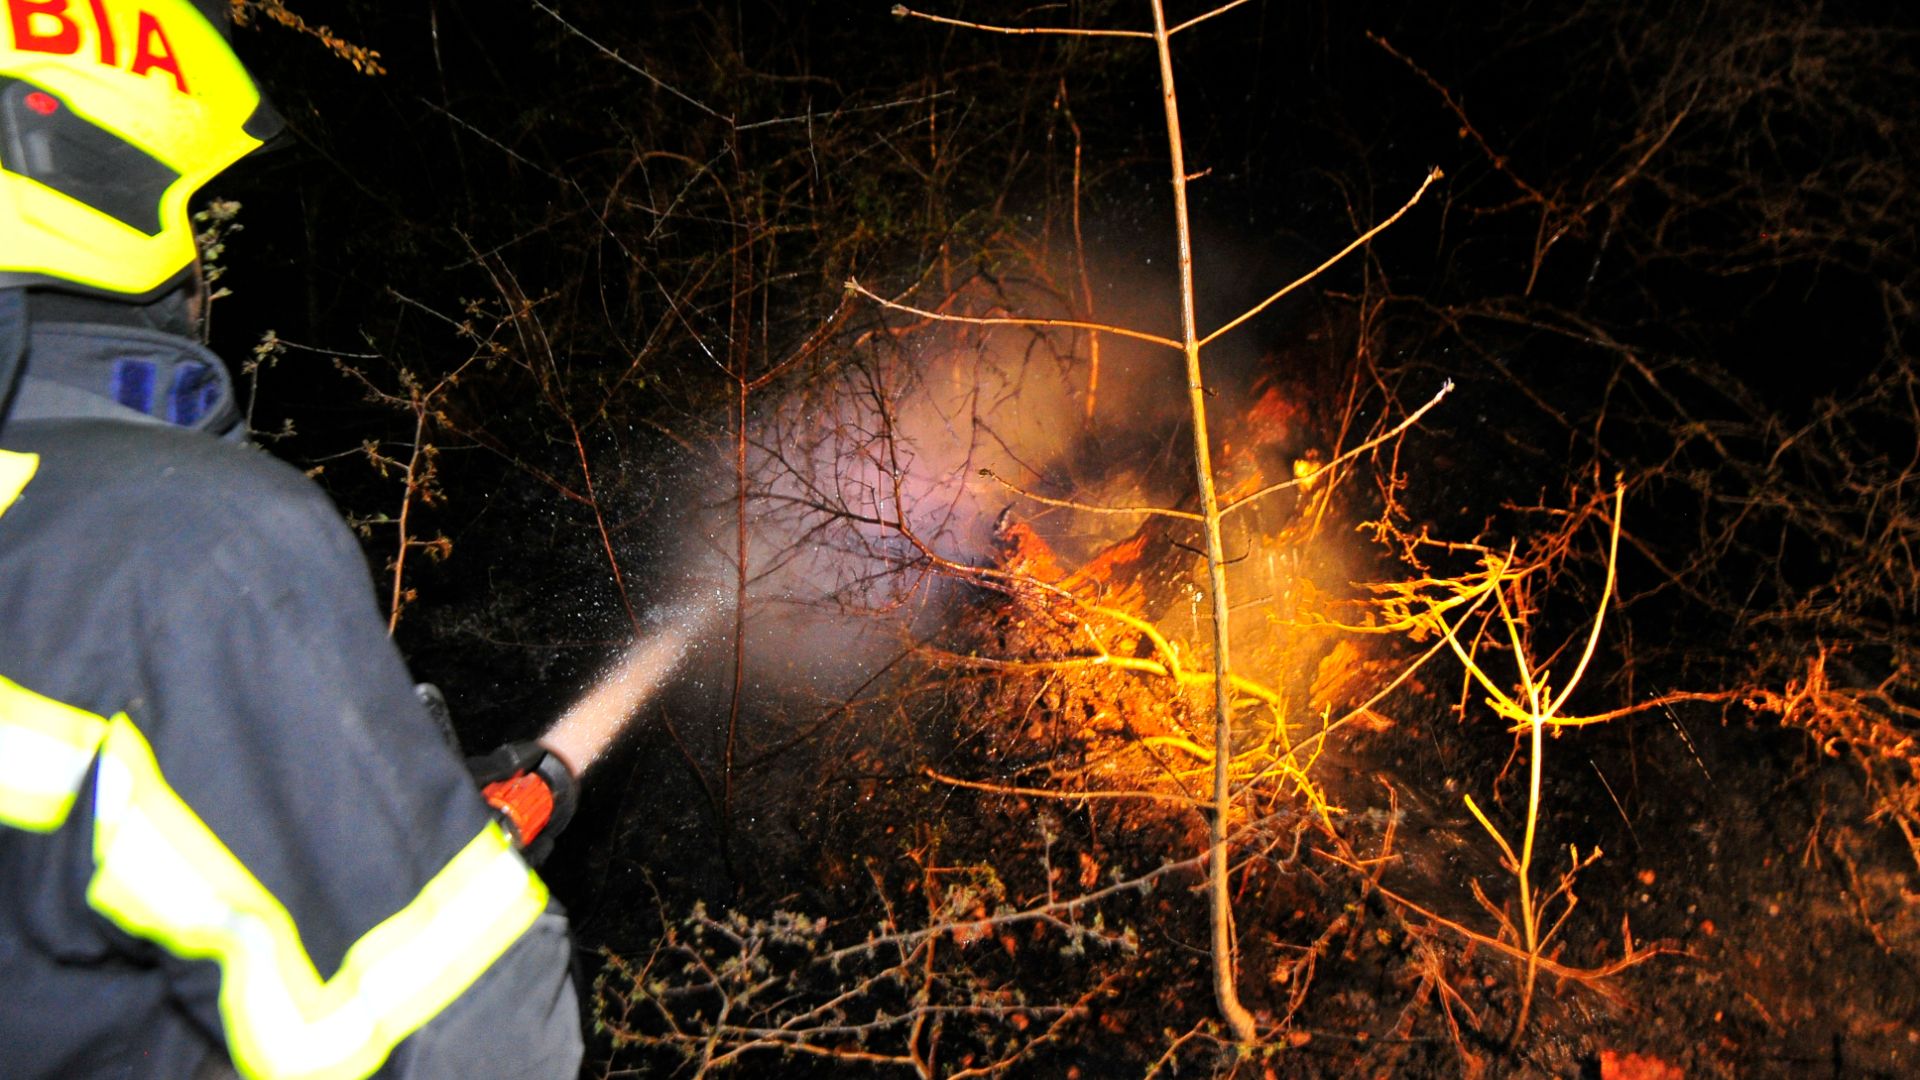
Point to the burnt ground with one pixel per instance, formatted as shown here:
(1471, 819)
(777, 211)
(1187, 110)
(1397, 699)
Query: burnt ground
(1777, 915)
(1794, 927)
(1783, 918)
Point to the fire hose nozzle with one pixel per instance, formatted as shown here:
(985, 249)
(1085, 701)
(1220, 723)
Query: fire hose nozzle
(532, 793)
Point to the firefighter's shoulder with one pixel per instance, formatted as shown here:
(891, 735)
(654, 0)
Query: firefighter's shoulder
(143, 491)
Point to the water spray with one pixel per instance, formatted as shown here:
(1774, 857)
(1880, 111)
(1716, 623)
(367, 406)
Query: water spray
(810, 586)
(532, 786)
(591, 724)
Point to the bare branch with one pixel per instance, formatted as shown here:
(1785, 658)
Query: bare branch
(1087, 508)
(1256, 309)
(1198, 19)
(902, 11)
(979, 320)
(1053, 793)
(630, 65)
(1412, 418)
(1460, 113)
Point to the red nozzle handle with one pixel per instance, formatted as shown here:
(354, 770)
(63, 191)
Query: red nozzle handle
(524, 802)
(531, 791)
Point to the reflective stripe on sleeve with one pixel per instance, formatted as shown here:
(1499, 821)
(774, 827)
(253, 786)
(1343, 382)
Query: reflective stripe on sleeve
(15, 470)
(46, 748)
(161, 874)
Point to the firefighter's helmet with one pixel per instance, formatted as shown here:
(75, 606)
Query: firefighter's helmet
(113, 113)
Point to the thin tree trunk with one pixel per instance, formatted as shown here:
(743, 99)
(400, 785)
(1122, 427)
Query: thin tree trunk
(1226, 994)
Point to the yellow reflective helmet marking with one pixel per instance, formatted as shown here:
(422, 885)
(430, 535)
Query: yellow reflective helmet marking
(161, 874)
(153, 73)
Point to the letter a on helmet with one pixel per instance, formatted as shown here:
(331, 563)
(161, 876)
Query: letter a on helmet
(113, 113)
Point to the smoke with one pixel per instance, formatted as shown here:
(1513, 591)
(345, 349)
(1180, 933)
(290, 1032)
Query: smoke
(874, 458)
(869, 467)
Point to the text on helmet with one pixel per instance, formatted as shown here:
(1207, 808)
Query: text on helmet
(63, 27)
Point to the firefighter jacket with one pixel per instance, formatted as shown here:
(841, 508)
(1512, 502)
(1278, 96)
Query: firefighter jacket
(231, 838)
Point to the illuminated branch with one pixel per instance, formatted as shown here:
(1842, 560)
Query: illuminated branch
(631, 66)
(1713, 697)
(1498, 160)
(1533, 716)
(1088, 508)
(1394, 684)
(1412, 418)
(1600, 614)
(1256, 309)
(984, 320)
(1593, 979)
(902, 11)
(1054, 793)
(1080, 258)
(1198, 19)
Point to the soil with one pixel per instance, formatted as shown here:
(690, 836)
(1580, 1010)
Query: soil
(1793, 928)
(1773, 918)
(1786, 929)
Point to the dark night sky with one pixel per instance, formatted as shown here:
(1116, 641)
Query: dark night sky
(493, 117)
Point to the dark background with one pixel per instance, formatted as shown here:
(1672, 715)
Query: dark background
(1674, 242)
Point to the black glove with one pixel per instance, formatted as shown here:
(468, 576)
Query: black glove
(510, 780)
(436, 703)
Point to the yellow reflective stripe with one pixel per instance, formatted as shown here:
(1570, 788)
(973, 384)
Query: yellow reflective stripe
(15, 470)
(45, 745)
(409, 967)
(46, 748)
(163, 875)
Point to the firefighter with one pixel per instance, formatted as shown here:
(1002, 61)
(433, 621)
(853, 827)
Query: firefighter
(231, 838)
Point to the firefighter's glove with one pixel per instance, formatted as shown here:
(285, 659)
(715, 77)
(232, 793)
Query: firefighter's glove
(437, 708)
(532, 794)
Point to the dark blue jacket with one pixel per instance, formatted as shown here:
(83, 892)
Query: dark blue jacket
(228, 829)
